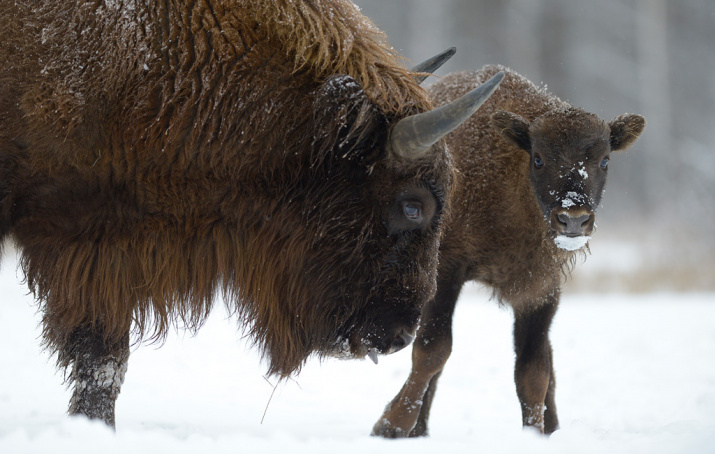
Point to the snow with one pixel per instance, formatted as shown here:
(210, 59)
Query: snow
(572, 199)
(635, 374)
(571, 243)
(582, 171)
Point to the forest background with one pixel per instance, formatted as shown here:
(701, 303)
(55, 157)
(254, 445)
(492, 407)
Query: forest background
(652, 57)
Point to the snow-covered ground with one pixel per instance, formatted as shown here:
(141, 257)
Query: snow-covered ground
(636, 374)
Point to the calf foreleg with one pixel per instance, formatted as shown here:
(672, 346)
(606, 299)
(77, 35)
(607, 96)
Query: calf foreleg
(408, 412)
(97, 372)
(534, 372)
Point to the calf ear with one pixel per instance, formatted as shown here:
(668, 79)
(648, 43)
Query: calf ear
(625, 129)
(512, 128)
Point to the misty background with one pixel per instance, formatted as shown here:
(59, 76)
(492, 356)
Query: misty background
(652, 57)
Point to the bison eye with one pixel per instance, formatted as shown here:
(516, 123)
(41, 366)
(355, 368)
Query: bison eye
(538, 162)
(413, 211)
(604, 162)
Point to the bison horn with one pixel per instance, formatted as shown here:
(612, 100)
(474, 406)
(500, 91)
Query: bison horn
(433, 64)
(411, 137)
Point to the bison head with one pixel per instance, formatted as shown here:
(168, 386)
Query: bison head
(354, 238)
(569, 151)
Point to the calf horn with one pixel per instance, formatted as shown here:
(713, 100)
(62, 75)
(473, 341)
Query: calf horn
(411, 137)
(433, 64)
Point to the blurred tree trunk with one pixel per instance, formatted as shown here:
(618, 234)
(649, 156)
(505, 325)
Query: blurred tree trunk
(428, 19)
(554, 29)
(653, 64)
(524, 44)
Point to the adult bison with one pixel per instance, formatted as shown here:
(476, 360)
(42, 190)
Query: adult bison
(153, 153)
(531, 171)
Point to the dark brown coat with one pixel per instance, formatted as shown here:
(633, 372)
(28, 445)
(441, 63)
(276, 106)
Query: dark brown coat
(531, 172)
(155, 153)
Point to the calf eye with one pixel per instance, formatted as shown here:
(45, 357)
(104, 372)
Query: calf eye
(538, 162)
(604, 162)
(412, 211)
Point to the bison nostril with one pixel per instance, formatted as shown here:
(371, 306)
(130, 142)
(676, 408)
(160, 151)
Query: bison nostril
(563, 218)
(401, 341)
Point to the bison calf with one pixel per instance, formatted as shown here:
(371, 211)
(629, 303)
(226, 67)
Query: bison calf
(531, 172)
(152, 153)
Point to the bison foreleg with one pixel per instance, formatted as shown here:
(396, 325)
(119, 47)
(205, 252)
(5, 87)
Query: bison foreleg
(534, 372)
(408, 413)
(97, 373)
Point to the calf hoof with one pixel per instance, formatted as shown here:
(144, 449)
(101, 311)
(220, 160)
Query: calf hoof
(384, 429)
(420, 429)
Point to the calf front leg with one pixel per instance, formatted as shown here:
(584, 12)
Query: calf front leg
(534, 371)
(420, 429)
(407, 414)
(97, 373)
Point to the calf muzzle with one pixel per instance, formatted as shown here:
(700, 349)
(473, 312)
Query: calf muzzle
(572, 223)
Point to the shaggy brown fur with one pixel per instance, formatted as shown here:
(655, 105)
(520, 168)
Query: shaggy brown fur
(153, 153)
(531, 168)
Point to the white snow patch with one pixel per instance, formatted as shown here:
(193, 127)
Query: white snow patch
(342, 83)
(582, 171)
(206, 393)
(342, 350)
(571, 243)
(572, 199)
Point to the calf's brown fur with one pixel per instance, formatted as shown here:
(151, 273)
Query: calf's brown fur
(531, 171)
(153, 153)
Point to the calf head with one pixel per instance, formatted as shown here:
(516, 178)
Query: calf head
(569, 151)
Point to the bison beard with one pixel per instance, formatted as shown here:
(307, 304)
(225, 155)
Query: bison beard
(154, 153)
